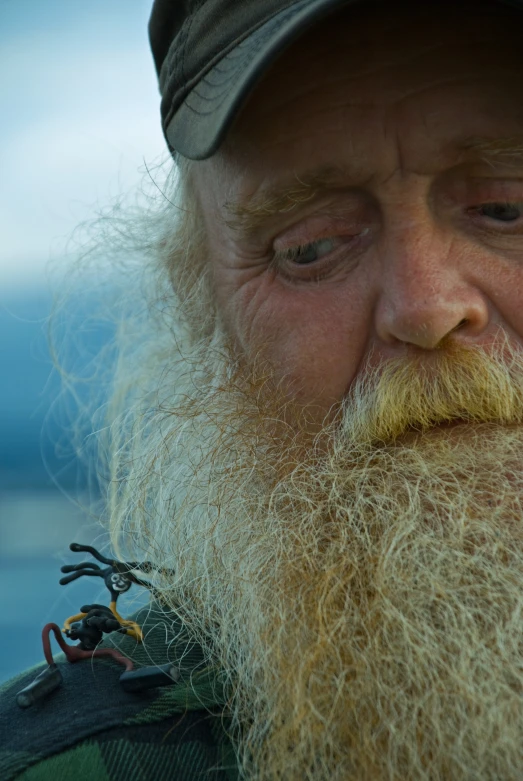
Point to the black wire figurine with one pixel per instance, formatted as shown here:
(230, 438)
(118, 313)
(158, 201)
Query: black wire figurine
(93, 622)
(118, 576)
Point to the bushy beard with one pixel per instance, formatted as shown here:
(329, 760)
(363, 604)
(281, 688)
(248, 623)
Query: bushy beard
(362, 585)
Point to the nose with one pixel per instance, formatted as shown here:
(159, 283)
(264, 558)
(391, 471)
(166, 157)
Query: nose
(428, 291)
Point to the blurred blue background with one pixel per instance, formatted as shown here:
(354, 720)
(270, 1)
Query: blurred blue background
(80, 116)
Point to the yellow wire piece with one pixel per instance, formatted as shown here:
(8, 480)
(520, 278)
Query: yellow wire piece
(132, 627)
(68, 621)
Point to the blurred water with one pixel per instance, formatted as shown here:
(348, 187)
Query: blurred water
(35, 532)
(44, 496)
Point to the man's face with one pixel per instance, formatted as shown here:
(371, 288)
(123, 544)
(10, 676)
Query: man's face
(364, 229)
(359, 211)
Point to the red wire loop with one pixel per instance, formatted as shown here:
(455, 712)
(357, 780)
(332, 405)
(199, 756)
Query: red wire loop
(73, 653)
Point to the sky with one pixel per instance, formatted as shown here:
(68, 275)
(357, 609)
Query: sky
(79, 116)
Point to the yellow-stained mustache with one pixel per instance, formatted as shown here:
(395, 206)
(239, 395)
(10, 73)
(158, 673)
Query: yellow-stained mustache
(458, 383)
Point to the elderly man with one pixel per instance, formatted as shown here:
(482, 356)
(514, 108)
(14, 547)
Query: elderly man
(321, 435)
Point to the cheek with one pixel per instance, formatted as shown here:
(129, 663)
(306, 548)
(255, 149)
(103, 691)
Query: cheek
(314, 338)
(506, 292)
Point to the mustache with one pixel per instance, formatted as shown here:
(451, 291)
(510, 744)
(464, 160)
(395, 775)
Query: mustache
(458, 383)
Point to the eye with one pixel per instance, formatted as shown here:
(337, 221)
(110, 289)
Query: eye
(308, 253)
(502, 212)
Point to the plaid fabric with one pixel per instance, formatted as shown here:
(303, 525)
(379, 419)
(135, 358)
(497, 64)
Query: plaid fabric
(90, 729)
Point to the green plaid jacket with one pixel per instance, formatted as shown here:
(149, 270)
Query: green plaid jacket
(90, 729)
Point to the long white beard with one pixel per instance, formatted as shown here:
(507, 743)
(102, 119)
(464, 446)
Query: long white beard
(363, 591)
(389, 643)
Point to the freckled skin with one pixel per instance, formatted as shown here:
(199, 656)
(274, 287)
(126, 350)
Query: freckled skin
(388, 96)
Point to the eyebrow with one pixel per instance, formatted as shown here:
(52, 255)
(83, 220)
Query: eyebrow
(285, 196)
(507, 151)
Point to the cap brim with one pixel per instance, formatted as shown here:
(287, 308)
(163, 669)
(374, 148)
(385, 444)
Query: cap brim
(200, 123)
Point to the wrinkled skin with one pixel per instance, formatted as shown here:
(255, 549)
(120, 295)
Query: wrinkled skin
(414, 247)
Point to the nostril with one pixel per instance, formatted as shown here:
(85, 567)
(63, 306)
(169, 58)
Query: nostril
(460, 324)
